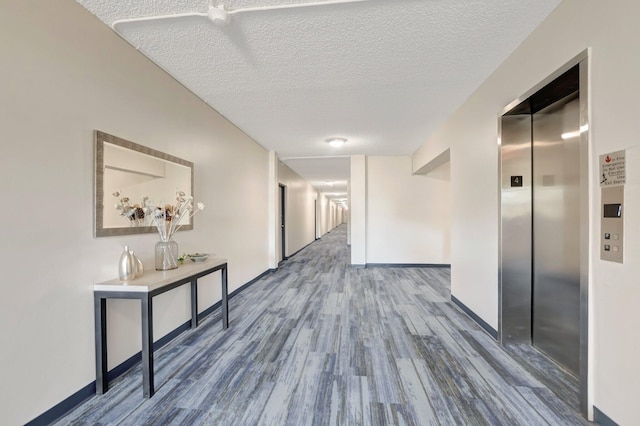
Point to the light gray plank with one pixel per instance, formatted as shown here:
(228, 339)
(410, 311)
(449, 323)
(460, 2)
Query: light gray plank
(415, 395)
(321, 343)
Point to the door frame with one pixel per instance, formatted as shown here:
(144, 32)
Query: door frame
(582, 60)
(282, 204)
(315, 219)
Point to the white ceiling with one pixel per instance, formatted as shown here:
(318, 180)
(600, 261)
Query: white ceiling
(383, 74)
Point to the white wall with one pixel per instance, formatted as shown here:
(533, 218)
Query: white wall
(328, 214)
(348, 214)
(610, 29)
(407, 215)
(358, 209)
(342, 215)
(275, 246)
(323, 214)
(63, 75)
(300, 209)
(332, 215)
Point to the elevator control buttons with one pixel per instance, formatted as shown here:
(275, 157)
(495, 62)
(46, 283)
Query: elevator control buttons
(612, 223)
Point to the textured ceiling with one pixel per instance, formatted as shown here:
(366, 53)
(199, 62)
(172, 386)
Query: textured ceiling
(383, 74)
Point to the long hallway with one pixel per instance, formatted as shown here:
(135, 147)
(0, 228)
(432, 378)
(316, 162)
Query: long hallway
(318, 342)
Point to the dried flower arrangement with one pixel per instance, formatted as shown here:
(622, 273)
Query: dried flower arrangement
(167, 219)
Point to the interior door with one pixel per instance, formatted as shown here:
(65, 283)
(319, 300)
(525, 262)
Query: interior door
(282, 205)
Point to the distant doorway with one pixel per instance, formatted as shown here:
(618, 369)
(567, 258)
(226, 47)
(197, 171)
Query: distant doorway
(315, 220)
(282, 210)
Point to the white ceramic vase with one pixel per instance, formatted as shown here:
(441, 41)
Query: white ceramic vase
(126, 266)
(139, 267)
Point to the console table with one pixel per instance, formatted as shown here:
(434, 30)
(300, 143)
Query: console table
(144, 289)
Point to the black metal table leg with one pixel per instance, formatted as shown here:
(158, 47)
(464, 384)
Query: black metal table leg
(100, 312)
(145, 295)
(225, 301)
(147, 346)
(194, 303)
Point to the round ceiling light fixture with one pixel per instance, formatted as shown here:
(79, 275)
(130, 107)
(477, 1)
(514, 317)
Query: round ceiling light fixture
(336, 142)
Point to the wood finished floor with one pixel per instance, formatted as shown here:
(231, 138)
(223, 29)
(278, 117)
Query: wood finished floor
(320, 343)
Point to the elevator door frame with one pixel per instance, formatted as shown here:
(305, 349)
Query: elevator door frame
(505, 318)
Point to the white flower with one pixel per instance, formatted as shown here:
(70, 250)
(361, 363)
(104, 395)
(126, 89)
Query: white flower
(167, 219)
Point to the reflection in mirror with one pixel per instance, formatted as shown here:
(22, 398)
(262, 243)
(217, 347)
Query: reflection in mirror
(134, 172)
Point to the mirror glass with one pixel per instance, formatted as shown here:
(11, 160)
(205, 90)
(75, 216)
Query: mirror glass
(126, 173)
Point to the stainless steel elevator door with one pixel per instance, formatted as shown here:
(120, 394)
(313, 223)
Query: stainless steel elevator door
(556, 231)
(516, 228)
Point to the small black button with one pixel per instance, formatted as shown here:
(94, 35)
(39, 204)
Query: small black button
(607, 236)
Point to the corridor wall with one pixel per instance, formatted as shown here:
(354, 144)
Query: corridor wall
(64, 74)
(300, 209)
(327, 214)
(611, 33)
(407, 215)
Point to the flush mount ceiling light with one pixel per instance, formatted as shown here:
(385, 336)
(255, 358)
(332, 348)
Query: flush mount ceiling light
(336, 142)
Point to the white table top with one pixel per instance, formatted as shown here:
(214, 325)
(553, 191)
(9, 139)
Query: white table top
(152, 280)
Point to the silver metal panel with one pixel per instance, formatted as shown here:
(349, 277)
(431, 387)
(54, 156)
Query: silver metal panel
(580, 59)
(556, 229)
(515, 288)
(611, 225)
(506, 318)
(584, 238)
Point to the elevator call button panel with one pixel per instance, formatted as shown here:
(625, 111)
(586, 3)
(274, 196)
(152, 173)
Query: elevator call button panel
(611, 224)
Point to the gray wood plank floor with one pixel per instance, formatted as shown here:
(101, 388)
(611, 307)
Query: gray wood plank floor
(320, 343)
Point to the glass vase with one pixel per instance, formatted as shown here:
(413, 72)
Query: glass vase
(166, 255)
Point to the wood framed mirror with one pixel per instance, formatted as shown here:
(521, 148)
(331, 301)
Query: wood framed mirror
(134, 171)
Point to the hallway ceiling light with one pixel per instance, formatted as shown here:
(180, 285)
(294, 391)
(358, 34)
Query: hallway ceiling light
(336, 142)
